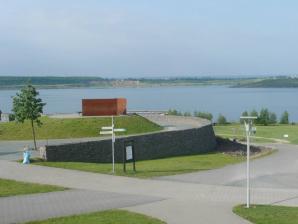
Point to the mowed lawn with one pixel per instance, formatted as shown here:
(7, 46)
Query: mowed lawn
(268, 214)
(56, 128)
(271, 133)
(154, 168)
(105, 217)
(11, 188)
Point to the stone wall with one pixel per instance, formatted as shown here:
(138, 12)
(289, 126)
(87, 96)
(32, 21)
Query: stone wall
(147, 146)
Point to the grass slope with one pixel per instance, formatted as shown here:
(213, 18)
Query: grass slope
(55, 128)
(154, 168)
(267, 214)
(270, 133)
(11, 188)
(106, 217)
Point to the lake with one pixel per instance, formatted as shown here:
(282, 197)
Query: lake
(230, 102)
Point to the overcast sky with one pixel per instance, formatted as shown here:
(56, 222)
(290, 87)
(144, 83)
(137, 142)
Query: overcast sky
(138, 38)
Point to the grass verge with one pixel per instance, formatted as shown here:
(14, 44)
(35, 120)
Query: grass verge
(58, 128)
(271, 133)
(12, 188)
(154, 168)
(268, 214)
(106, 217)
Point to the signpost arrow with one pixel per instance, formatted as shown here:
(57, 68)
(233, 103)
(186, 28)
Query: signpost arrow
(110, 130)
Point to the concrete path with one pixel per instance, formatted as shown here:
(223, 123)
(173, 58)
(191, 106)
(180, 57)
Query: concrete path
(63, 203)
(279, 170)
(173, 201)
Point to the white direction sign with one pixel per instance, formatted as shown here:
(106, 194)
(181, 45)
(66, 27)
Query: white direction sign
(106, 132)
(119, 129)
(107, 128)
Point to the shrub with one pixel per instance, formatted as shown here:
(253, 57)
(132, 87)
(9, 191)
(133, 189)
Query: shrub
(204, 115)
(221, 119)
(284, 118)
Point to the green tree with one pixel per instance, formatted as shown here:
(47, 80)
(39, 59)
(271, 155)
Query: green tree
(284, 118)
(264, 117)
(244, 114)
(204, 115)
(254, 113)
(272, 118)
(27, 106)
(221, 119)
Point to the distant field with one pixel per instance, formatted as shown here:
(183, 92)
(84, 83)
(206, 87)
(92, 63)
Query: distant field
(271, 133)
(280, 82)
(55, 128)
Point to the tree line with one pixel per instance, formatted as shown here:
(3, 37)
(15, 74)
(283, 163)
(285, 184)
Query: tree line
(264, 116)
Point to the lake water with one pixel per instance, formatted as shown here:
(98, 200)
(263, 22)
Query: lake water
(231, 102)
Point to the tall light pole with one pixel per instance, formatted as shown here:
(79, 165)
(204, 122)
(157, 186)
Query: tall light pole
(248, 124)
(110, 130)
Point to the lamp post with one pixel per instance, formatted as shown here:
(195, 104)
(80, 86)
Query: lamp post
(110, 130)
(248, 124)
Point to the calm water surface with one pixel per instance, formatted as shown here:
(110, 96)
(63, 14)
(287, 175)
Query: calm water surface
(231, 102)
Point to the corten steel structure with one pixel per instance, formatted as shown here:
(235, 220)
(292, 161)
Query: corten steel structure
(104, 107)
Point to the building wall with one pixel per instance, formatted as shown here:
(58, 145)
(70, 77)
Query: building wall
(103, 107)
(147, 146)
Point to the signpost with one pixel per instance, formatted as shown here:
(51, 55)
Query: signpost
(249, 129)
(129, 155)
(110, 130)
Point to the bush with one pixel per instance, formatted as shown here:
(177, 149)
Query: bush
(244, 114)
(221, 119)
(284, 118)
(204, 115)
(11, 117)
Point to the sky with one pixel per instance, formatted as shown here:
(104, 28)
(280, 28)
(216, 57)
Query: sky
(149, 38)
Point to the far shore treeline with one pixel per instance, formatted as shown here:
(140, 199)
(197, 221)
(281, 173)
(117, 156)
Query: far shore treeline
(52, 82)
(264, 116)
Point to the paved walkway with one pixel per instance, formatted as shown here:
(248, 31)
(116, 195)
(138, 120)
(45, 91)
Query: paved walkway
(173, 201)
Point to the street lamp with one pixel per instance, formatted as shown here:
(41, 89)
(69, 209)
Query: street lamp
(248, 124)
(110, 130)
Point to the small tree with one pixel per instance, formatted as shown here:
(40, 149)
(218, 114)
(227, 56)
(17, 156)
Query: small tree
(27, 106)
(244, 114)
(264, 117)
(284, 118)
(204, 115)
(272, 118)
(221, 119)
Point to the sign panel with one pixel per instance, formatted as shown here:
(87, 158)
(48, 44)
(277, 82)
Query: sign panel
(119, 129)
(106, 132)
(129, 155)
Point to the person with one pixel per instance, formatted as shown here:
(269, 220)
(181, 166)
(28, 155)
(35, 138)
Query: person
(0, 114)
(26, 155)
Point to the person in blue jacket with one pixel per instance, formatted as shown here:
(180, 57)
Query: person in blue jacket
(26, 155)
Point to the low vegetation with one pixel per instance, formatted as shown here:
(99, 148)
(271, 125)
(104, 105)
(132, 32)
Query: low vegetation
(268, 214)
(270, 133)
(56, 128)
(105, 217)
(154, 168)
(11, 188)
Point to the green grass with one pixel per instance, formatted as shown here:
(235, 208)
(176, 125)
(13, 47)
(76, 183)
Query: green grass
(11, 188)
(55, 128)
(272, 133)
(268, 214)
(105, 217)
(154, 168)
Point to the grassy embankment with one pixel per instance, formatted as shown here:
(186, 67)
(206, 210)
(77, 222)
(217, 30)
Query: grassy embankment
(268, 214)
(271, 133)
(105, 217)
(154, 168)
(56, 128)
(11, 188)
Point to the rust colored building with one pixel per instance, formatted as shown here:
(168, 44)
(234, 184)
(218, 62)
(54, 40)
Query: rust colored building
(103, 107)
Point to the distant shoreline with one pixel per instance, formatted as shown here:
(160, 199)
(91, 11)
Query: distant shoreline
(16, 83)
